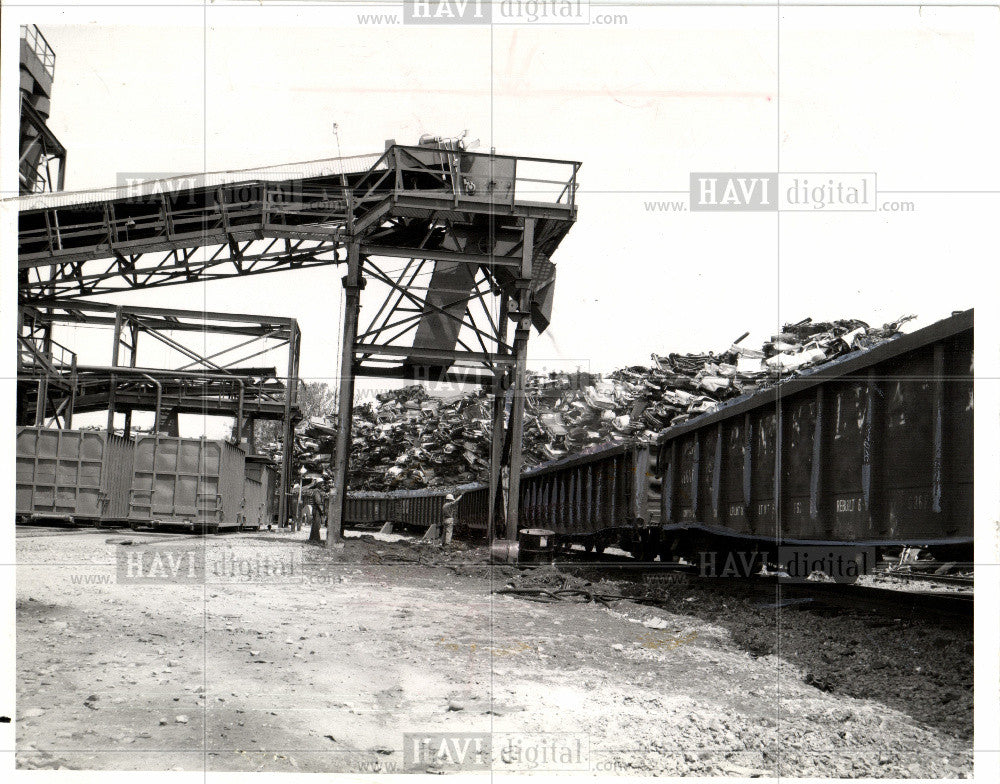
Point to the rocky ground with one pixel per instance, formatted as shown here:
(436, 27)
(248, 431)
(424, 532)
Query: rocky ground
(259, 652)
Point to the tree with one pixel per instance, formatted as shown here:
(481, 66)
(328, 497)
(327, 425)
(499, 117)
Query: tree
(317, 400)
(314, 399)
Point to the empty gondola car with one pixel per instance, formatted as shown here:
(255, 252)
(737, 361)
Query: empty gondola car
(416, 509)
(75, 476)
(193, 483)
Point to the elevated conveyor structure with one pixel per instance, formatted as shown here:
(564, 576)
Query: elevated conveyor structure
(455, 244)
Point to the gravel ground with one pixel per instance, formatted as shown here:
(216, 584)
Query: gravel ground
(327, 673)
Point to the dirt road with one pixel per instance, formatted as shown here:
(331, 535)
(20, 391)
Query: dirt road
(223, 661)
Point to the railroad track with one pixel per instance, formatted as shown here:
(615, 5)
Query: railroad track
(769, 592)
(943, 579)
(865, 598)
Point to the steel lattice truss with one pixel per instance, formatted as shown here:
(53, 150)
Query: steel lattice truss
(472, 316)
(194, 264)
(223, 382)
(226, 380)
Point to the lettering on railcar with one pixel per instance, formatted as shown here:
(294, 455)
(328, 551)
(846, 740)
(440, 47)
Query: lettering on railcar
(850, 505)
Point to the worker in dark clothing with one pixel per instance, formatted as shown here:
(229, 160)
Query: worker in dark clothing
(317, 500)
(449, 511)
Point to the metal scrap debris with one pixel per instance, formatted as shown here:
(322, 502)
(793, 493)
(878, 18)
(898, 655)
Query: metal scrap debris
(409, 438)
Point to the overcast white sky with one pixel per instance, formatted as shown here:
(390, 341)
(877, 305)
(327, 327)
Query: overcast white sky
(907, 93)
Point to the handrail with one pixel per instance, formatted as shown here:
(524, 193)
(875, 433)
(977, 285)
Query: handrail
(40, 47)
(447, 166)
(65, 358)
(464, 153)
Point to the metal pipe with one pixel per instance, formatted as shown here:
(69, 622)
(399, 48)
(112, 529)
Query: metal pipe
(159, 402)
(68, 419)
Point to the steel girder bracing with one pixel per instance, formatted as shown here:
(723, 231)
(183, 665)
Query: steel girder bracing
(42, 163)
(221, 382)
(443, 236)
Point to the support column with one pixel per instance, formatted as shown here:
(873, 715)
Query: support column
(250, 428)
(118, 337)
(239, 418)
(520, 367)
(353, 284)
(41, 403)
(287, 432)
(172, 424)
(497, 435)
(287, 446)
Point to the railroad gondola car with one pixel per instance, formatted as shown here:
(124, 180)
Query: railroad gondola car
(259, 492)
(873, 449)
(193, 483)
(75, 476)
(417, 509)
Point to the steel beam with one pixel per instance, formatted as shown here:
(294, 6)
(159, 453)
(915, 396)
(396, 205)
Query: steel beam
(345, 402)
(84, 307)
(497, 431)
(433, 355)
(287, 425)
(520, 367)
(511, 262)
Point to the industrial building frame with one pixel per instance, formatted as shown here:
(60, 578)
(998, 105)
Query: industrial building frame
(52, 389)
(487, 223)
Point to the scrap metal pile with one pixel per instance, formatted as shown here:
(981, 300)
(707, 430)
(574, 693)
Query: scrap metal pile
(409, 438)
